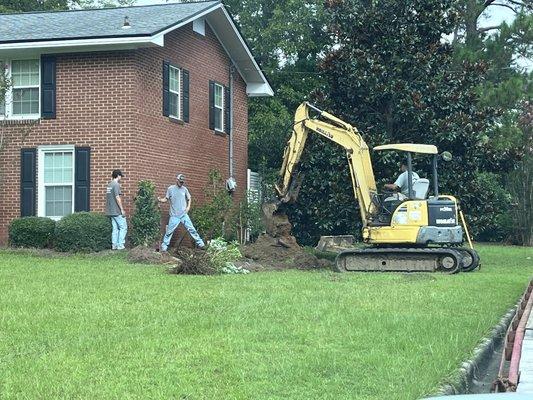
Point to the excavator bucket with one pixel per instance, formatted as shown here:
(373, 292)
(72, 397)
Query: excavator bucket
(335, 243)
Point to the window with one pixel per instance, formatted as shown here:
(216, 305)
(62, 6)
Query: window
(22, 100)
(219, 107)
(174, 92)
(56, 181)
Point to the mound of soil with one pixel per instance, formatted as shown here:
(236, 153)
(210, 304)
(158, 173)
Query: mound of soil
(280, 253)
(146, 255)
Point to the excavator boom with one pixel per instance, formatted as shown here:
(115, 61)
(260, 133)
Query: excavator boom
(340, 132)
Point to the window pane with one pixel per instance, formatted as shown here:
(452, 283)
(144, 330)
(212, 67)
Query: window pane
(26, 108)
(17, 109)
(58, 201)
(174, 105)
(174, 80)
(218, 96)
(25, 73)
(25, 101)
(58, 167)
(49, 212)
(218, 119)
(58, 175)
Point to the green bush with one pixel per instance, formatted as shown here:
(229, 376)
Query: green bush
(31, 232)
(210, 219)
(246, 220)
(146, 220)
(83, 231)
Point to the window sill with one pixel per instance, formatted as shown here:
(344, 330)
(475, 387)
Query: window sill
(176, 120)
(22, 120)
(220, 133)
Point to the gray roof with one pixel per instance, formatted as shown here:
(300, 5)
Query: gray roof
(101, 23)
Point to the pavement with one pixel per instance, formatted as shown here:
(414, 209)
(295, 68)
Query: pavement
(525, 384)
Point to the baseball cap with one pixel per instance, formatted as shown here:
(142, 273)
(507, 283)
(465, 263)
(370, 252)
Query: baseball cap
(180, 177)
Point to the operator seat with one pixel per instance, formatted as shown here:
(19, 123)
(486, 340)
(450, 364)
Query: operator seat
(420, 188)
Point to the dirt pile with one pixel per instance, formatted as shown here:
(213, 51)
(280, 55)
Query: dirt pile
(277, 248)
(146, 255)
(268, 253)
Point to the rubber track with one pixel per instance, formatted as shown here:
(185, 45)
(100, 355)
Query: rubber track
(438, 251)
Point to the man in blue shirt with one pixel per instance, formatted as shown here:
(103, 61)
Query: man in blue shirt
(180, 204)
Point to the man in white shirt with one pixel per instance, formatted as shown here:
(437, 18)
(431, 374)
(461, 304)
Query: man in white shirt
(402, 183)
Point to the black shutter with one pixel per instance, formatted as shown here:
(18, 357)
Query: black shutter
(48, 87)
(166, 97)
(211, 105)
(227, 110)
(82, 180)
(28, 182)
(185, 95)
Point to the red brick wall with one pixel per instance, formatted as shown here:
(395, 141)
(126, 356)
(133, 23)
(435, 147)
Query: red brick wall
(169, 147)
(112, 102)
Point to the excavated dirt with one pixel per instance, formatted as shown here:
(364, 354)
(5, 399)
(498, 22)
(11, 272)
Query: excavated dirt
(146, 255)
(277, 248)
(268, 253)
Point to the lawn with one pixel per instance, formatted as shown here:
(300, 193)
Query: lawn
(100, 328)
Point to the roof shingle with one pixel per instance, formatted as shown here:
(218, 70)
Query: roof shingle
(100, 23)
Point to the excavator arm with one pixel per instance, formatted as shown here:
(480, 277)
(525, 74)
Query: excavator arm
(340, 132)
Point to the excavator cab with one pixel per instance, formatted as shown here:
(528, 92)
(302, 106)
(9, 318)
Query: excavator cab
(388, 202)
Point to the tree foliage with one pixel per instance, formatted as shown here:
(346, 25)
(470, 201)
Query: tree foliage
(287, 38)
(11, 6)
(391, 75)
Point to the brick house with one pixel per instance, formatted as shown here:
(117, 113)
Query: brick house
(151, 90)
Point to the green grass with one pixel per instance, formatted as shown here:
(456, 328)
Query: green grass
(100, 328)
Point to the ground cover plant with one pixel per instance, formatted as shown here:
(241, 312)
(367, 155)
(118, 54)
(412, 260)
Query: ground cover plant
(98, 327)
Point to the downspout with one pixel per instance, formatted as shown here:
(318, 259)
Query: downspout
(230, 151)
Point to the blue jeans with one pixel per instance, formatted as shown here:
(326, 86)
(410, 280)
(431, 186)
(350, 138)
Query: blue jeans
(120, 228)
(173, 223)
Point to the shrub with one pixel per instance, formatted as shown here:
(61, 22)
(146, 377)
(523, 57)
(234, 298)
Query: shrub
(210, 218)
(83, 231)
(246, 220)
(31, 232)
(223, 253)
(146, 219)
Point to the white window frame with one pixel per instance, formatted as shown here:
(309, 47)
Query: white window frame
(221, 107)
(9, 95)
(178, 93)
(41, 187)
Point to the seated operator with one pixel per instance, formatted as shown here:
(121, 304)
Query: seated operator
(401, 184)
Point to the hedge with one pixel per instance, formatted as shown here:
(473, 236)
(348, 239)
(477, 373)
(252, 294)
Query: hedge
(83, 232)
(35, 232)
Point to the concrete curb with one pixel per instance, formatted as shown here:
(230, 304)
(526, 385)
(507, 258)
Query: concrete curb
(482, 353)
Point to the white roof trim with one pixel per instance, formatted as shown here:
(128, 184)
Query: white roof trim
(256, 82)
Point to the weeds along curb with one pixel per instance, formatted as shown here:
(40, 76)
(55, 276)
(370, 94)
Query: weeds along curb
(481, 355)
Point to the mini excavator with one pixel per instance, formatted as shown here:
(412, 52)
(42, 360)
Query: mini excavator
(412, 234)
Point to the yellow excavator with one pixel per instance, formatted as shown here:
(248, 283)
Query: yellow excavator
(413, 233)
